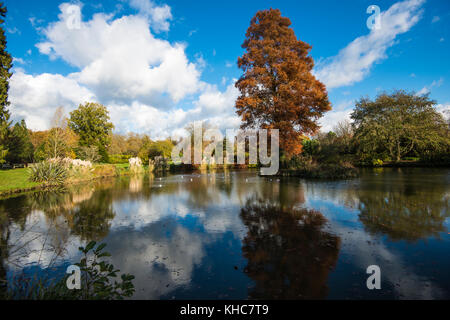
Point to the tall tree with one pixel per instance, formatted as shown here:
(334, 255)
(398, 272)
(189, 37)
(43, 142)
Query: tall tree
(20, 145)
(397, 124)
(61, 139)
(91, 123)
(277, 88)
(5, 74)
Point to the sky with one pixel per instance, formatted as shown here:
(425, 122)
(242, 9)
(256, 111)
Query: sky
(160, 65)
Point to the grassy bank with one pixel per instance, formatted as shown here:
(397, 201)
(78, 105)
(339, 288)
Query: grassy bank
(17, 180)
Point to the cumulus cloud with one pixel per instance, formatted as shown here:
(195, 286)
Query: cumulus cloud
(159, 15)
(149, 84)
(353, 63)
(35, 98)
(214, 106)
(120, 58)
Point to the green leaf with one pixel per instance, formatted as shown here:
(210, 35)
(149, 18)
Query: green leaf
(100, 247)
(90, 246)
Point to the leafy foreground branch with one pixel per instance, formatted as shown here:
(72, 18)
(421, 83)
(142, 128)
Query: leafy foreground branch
(98, 281)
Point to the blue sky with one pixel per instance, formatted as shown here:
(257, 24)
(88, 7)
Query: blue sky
(160, 65)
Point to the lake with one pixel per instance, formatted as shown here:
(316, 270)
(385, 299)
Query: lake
(235, 235)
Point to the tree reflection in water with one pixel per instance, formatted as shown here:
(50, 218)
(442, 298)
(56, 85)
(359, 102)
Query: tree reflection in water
(288, 251)
(406, 207)
(37, 228)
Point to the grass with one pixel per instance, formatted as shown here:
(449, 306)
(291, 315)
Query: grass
(16, 179)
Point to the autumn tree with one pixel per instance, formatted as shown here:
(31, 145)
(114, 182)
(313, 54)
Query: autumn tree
(278, 90)
(61, 140)
(397, 124)
(91, 123)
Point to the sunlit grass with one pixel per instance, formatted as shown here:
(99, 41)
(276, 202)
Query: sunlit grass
(16, 179)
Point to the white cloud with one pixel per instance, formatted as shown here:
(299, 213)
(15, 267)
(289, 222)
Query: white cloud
(18, 60)
(435, 19)
(13, 31)
(159, 16)
(213, 106)
(444, 109)
(148, 84)
(427, 89)
(353, 63)
(35, 98)
(120, 59)
(339, 113)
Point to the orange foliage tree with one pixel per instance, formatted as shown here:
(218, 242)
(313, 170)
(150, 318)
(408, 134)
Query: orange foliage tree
(278, 90)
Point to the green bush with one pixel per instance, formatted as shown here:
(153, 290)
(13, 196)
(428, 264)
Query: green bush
(119, 158)
(377, 162)
(49, 172)
(306, 167)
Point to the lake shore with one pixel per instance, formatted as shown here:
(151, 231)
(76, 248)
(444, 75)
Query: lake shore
(16, 181)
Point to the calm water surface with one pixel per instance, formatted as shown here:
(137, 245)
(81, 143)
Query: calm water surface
(235, 235)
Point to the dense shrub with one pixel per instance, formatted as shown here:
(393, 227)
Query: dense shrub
(49, 172)
(119, 158)
(306, 167)
(105, 170)
(377, 162)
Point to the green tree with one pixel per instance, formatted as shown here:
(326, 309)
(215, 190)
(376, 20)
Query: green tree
(161, 149)
(19, 144)
(91, 123)
(398, 124)
(5, 74)
(60, 140)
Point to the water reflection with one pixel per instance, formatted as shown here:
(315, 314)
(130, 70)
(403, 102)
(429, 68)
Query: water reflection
(289, 253)
(236, 235)
(402, 208)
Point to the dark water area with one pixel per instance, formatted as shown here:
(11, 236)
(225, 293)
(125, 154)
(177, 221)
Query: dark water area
(235, 235)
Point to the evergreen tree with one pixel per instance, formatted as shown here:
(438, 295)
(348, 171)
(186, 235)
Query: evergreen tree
(20, 145)
(5, 74)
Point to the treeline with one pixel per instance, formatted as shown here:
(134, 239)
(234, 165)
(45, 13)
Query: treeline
(86, 134)
(395, 127)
